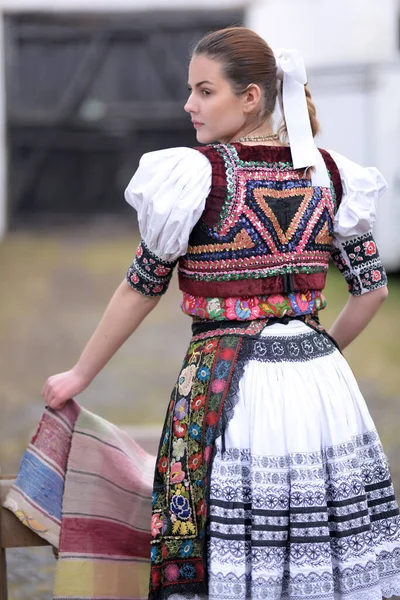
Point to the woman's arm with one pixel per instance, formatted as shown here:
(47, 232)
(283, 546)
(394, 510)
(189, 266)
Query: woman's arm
(125, 312)
(356, 315)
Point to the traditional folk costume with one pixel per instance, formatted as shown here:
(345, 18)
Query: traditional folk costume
(271, 481)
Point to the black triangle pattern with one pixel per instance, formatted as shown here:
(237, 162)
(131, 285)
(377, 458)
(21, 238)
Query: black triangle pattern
(284, 209)
(324, 218)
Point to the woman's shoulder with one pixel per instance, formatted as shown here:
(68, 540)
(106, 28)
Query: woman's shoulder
(168, 191)
(356, 177)
(169, 169)
(171, 174)
(172, 156)
(176, 166)
(362, 188)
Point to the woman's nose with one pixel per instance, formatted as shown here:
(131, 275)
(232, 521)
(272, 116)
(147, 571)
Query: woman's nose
(189, 106)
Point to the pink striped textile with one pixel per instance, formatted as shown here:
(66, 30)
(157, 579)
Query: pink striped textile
(85, 486)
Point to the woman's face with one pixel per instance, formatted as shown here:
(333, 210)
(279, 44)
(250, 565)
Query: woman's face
(216, 112)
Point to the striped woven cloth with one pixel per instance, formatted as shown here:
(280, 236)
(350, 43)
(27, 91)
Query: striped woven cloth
(85, 486)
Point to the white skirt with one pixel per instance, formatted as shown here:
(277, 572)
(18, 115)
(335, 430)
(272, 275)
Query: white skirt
(301, 503)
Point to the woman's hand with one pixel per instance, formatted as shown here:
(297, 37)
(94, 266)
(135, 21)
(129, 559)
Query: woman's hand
(60, 388)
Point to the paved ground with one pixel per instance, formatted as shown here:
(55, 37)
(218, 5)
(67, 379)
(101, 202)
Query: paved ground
(54, 287)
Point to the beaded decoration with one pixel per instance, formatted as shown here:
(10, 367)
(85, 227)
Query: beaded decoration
(273, 223)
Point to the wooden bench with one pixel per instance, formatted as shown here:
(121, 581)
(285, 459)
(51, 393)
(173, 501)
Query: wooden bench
(12, 534)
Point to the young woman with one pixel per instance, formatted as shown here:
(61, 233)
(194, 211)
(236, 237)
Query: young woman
(271, 481)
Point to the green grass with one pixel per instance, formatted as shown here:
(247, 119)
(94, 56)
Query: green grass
(375, 355)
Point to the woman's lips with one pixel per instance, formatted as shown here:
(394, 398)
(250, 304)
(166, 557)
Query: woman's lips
(196, 124)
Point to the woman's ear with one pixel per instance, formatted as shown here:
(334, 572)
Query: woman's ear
(251, 98)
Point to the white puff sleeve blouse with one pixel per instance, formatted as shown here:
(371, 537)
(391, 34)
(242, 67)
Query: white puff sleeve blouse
(168, 191)
(354, 250)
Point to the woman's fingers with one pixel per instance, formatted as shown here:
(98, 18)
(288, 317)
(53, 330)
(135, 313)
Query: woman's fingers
(49, 391)
(57, 404)
(60, 388)
(46, 392)
(44, 389)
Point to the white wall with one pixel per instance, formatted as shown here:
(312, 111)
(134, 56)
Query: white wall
(360, 116)
(387, 141)
(329, 32)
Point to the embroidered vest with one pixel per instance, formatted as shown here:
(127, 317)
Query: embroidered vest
(265, 229)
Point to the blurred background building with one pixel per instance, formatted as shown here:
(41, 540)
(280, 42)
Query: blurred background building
(86, 88)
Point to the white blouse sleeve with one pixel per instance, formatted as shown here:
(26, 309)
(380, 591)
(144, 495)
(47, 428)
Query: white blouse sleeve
(169, 191)
(362, 188)
(354, 250)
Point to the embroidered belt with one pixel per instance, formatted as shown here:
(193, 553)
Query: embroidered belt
(254, 307)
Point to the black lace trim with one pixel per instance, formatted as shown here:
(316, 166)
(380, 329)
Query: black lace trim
(299, 348)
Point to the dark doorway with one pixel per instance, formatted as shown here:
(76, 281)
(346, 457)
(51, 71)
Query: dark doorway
(86, 97)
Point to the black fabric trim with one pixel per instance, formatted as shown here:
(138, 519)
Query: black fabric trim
(385, 515)
(370, 487)
(296, 348)
(335, 175)
(359, 262)
(384, 500)
(149, 275)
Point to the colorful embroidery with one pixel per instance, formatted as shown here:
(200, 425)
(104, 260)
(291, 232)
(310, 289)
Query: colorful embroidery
(282, 171)
(242, 329)
(253, 307)
(148, 274)
(273, 223)
(359, 261)
(181, 484)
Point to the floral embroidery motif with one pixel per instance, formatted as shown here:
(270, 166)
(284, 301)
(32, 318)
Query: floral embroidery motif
(359, 262)
(148, 274)
(181, 484)
(156, 525)
(254, 307)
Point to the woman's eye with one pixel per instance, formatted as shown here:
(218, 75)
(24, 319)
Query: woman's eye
(205, 92)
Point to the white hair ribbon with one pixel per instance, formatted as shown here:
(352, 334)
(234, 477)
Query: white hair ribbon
(292, 72)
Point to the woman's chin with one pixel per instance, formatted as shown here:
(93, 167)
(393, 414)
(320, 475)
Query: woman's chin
(204, 138)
